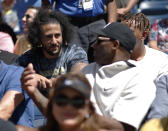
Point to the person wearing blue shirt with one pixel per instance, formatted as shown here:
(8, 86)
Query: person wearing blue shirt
(15, 104)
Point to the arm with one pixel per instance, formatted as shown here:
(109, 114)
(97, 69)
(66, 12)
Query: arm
(153, 36)
(9, 102)
(77, 59)
(153, 44)
(78, 67)
(31, 82)
(129, 6)
(112, 11)
(159, 106)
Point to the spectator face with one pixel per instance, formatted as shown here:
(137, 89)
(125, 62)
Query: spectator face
(103, 51)
(51, 36)
(28, 18)
(69, 108)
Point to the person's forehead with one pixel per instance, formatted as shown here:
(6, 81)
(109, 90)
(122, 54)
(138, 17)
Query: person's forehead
(31, 11)
(51, 28)
(51, 25)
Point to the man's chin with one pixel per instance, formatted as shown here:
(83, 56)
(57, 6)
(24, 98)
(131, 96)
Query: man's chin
(54, 53)
(25, 29)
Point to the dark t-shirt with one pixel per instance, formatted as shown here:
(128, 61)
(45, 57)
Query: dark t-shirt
(50, 68)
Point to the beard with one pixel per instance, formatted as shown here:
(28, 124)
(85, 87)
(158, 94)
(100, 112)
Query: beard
(49, 49)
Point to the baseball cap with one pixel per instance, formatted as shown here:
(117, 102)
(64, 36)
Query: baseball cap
(120, 32)
(77, 85)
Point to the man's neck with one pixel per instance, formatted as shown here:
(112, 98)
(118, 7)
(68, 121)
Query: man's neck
(121, 55)
(139, 51)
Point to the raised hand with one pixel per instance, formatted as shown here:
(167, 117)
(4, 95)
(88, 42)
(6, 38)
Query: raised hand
(29, 80)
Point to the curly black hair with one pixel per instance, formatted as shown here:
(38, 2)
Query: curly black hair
(43, 17)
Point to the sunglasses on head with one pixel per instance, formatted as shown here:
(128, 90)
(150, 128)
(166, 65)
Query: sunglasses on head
(77, 102)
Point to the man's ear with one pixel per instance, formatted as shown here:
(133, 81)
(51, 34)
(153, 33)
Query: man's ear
(144, 35)
(116, 44)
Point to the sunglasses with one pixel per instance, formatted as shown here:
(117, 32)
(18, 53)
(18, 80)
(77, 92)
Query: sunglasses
(77, 102)
(27, 16)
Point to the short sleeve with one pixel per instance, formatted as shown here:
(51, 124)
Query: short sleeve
(76, 55)
(14, 75)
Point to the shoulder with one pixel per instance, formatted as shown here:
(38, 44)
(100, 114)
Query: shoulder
(26, 58)
(74, 54)
(106, 123)
(162, 80)
(156, 54)
(75, 49)
(8, 57)
(5, 37)
(3, 34)
(154, 51)
(12, 69)
(89, 68)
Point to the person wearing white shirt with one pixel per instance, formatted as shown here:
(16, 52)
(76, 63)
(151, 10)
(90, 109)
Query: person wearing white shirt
(120, 88)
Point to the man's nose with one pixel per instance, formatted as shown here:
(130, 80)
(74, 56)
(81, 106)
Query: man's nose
(54, 39)
(24, 19)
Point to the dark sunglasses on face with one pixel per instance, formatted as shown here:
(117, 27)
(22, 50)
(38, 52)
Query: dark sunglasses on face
(77, 102)
(27, 16)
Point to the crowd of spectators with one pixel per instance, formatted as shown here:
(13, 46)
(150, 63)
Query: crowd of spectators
(82, 65)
